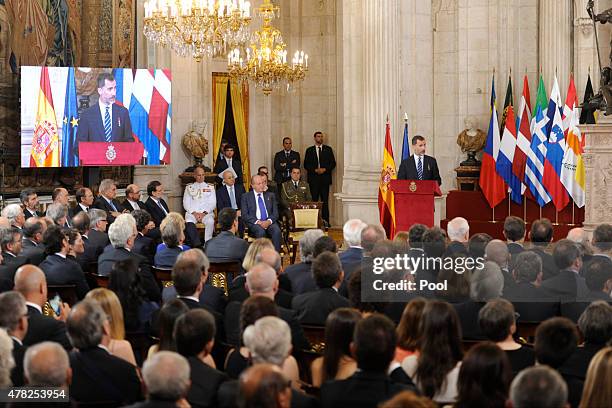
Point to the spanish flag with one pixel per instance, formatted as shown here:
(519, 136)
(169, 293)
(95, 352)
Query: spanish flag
(45, 141)
(385, 195)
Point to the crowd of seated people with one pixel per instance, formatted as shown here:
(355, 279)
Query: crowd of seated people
(528, 324)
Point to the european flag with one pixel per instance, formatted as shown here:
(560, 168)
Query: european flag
(405, 145)
(70, 123)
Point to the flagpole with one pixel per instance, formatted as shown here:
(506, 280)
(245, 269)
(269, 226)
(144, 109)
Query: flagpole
(573, 212)
(524, 207)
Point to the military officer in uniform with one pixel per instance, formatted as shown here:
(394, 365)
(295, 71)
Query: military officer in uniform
(200, 201)
(294, 191)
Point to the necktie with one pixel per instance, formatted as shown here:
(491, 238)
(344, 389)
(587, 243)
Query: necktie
(162, 207)
(112, 205)
(420, 168)
(295, 184)
(108, 129)
(232, 197)
(318, 156)
(262, 208)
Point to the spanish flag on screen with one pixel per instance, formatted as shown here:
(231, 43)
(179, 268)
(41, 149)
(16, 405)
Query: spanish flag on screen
(45, 141)
(385, 195)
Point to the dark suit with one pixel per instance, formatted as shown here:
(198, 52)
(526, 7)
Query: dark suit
(226, 247)
(64, 271)
(362, 389)
(144, 246)
(408, 169)
(107, 260)
(13, 263)
(290, 160)
(313, 307)
(283, 298)
(94, 243)
(103, 204)
(72, 211)
(127, 206)
(549, 268)
(319, 183)
(566, 286)
(28, 214)
(157, 214)
(301, 278)
(33, 251)
(211, 297)
(249, 216)
(98, 376)
(468, 318)
(166, 257)
(45, 328)
(205, 382)
(514, 248)
(153, 403)
(223, 198)
(221, 165)
(91, 125)
(229, 391)
(17, 371)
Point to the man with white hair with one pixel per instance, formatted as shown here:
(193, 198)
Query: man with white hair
(14, 213)
(59, 214)
(497, 251)
(260, 212)
(166, 377)
(300, 274)
(106, 200)
(352, 237)
(458, 231)
(122, 234)
(46, 364)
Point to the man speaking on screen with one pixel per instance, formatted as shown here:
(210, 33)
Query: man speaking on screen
(105, 121)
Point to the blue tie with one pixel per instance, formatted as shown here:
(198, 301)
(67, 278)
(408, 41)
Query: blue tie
(420, 168)
(232, 197)
(112, 205)
(262, 208)
(108, 128)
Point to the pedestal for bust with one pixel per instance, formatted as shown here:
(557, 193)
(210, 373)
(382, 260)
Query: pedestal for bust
(468, 177)
(598, 166)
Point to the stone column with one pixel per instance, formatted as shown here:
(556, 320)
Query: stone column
(555, 41)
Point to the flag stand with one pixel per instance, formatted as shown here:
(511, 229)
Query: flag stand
(525, 208)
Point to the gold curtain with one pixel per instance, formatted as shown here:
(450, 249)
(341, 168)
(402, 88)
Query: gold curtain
(239, 97)
(219, 100)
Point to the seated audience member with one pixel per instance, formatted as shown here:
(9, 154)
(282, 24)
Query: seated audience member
(269, 186)
(353, 287)
(595, 324)
(484, 377)
(14, 214)
(351, 232)
(260, 212)
(127, 285)
(581, 238)
(106, 200)
(313, 307)
(436, 367)
(122, 234)
(477, 244)
(371, 235)
(262, 280)
(226, 246)
(194, 334)
(47, 364)
(408, 399)
(538, 386)
(76, 244)
(457, 288)
(434, 246)
(458, 231)
(415, 239)
(59, 195)
(486, 283)
(59, 268)
(567, 285)
(144, 244)
(497, 321)
(6, 359)
(514, 232)
(409, 329)
(264, 385)
(323, 244)
(293, 191)
(300, 274)
(541, 235)
(401, 240)
(156, 205)
(97, 375)
(229, 194)
(337, 363)
(199, 201)
(81, 224)
(172, 235)
(268, 341)
(114, 340)
(373, 347)
(168, 314)
(32, 246)
(598, 279)
(497, 251)
(527, 273)
(598, 385)
(166, 378)
(132, 200)
(14, 319)
(602, 241)
(98, 237)
(254, 250)
(84, 200)
(10, 244)
(556, 340)
(29, 199)
(30, 281)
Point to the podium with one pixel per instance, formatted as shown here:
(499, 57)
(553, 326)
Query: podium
(110, 154)
(414, 202)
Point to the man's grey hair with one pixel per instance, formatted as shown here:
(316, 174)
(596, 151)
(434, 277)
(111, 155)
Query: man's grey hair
(85, 324)
(497, 251)
(95, 216)
(457, 229)
(538, 386)
(268, 340)
(351, 232)
(7, 236)
(595, 322)
(11, 212)
(270, 257)
(527, 266)
(46, 365)
(57, 211)
(167, 376)
(12, 309)
(261, 279)
(106, 185)
(197, 256)
(122, 230)
(6, 359)
(486, 283)
(307, 243)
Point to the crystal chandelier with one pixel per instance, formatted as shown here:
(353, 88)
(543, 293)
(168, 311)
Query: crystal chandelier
(198, 28)
(264, 62)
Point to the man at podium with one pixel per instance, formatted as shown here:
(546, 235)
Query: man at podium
(419, 166)
(105, 121)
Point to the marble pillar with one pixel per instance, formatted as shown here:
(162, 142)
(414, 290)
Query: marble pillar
(555, 41)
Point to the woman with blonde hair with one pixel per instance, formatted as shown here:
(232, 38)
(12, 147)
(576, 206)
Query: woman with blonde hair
(117, 345)
(254, 249)
(597, 391)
